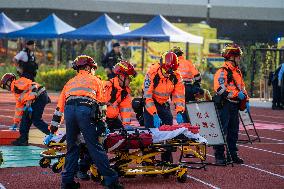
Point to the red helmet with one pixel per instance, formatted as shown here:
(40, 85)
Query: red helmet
(84, 60)
(169, 62)
(124, 68)
(232, 50)
(5, 78)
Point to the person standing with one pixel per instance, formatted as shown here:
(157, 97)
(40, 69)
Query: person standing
(161, 83)
(111, 59)
(25, 61)
(229, 85)
(276, 85)
(79, 102)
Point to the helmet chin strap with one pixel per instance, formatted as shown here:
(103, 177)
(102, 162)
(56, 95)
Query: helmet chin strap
(234, 61)
(123, 85)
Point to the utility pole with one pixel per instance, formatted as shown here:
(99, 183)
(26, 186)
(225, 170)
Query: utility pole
(208, 12)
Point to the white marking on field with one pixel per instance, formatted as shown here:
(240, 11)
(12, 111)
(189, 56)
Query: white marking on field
(262, 170)
(259, 149)
(252, 167)
(203, 182)
(1, 186)
(278, 140)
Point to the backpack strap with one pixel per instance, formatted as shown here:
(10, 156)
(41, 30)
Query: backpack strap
(173, 79)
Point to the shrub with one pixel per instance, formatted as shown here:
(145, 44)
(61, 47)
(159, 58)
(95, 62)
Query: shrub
(136, 85)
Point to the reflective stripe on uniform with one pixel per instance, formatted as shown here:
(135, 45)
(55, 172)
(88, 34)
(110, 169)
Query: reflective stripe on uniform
(179, 104)
(19, 109)
(79, 97)
(150, 104)
(178, 96)
(126, 119)
(221, 89)
(161, 94)
(147, 95)
(82, 89)
(41, 91)
(125, 110)
(18, 117)
(58, 113)
(54, 123)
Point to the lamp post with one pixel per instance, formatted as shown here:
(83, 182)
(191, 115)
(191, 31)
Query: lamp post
(208, 12)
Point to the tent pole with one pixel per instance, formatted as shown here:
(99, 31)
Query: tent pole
(187, 50)
(143, 52)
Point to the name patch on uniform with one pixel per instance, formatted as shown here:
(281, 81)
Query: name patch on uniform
(147, 82)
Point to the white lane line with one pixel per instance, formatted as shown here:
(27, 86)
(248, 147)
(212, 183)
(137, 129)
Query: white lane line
(279, 131)
(203, 182)
(278, 140)
(262, 170)
(1, 186)
(263, 121)
(252, 167)
(259, 149)
(275, 117)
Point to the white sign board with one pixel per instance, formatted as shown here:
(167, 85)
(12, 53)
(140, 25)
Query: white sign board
(245, 117)
(204, 115)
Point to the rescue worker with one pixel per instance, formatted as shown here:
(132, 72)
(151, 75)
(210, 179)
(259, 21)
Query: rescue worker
(276, 85)
(190, 75)
(163, 81)
(230, 87)
(26, 62)
(31, 99)
(79, 101)
(112, 58)
(118, 100)
(118, 114)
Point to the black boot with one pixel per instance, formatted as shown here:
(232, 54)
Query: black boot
(22, 141)
(114, 185)
(235, 159)
(220, 159)
(72, 185)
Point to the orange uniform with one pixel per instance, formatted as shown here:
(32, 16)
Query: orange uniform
(119, 101)
(85, 86)
(25, 92)
(229, 89)
(165, 88)
(187, 70)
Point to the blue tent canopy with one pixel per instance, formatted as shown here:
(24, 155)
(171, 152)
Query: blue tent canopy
(7, 25)
(103, 28)
(160, 29)
(50, 27)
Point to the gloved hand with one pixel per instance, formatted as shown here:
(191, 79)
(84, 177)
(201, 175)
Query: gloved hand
(47, 139)
(128, 128)
(248, 106)
(157, 121)
(107, 131)
(13, 127)
(241, 95)
(179, 118)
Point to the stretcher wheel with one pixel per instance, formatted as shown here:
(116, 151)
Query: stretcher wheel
(55, 168)
(44, 162)
(182, 178)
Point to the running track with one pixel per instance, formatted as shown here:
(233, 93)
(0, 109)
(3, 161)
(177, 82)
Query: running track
(263, 168)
